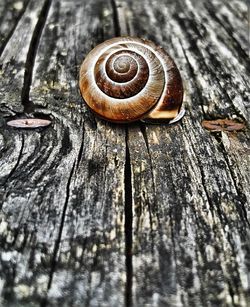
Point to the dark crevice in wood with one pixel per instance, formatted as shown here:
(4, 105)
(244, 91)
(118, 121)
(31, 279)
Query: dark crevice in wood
(31, 55)
(80, 153)
(8, 115)
(4, 44)
(79, 157)
(128, 225)
(242, 197)
(115, 18)
(128, 27)
(58, 240)
(231, 293)
(43, 115)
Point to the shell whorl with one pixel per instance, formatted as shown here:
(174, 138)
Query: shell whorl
(125, 79)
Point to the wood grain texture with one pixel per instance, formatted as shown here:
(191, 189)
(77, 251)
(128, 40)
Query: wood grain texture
(98, 214)
(10, 14)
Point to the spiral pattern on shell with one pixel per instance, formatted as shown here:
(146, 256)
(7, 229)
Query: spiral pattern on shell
(125, 79)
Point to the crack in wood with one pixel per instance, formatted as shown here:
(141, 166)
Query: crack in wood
(44, 302)
(145, 137)
(31, 56)
(5, 42)
(128, 208)
(115, 18)
(79, 157)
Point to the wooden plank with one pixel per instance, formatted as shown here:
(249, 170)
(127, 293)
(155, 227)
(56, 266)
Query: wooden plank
(191, 188)
(90, 230)
(97, 214)
(63, 198)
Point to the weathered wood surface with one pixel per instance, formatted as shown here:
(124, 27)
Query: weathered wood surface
(97, 214)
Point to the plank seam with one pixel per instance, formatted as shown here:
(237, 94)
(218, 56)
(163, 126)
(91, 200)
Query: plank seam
(145, 137)
(58, 240)
(31, 55)
(7, 39)
(115, 18)
(79, 157)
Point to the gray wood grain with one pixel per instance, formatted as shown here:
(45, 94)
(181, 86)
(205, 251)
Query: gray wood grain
(97, 214)
(10, 14)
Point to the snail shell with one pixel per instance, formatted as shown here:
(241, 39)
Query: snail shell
(126, 79)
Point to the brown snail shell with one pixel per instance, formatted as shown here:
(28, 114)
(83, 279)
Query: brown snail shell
(126, 79)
